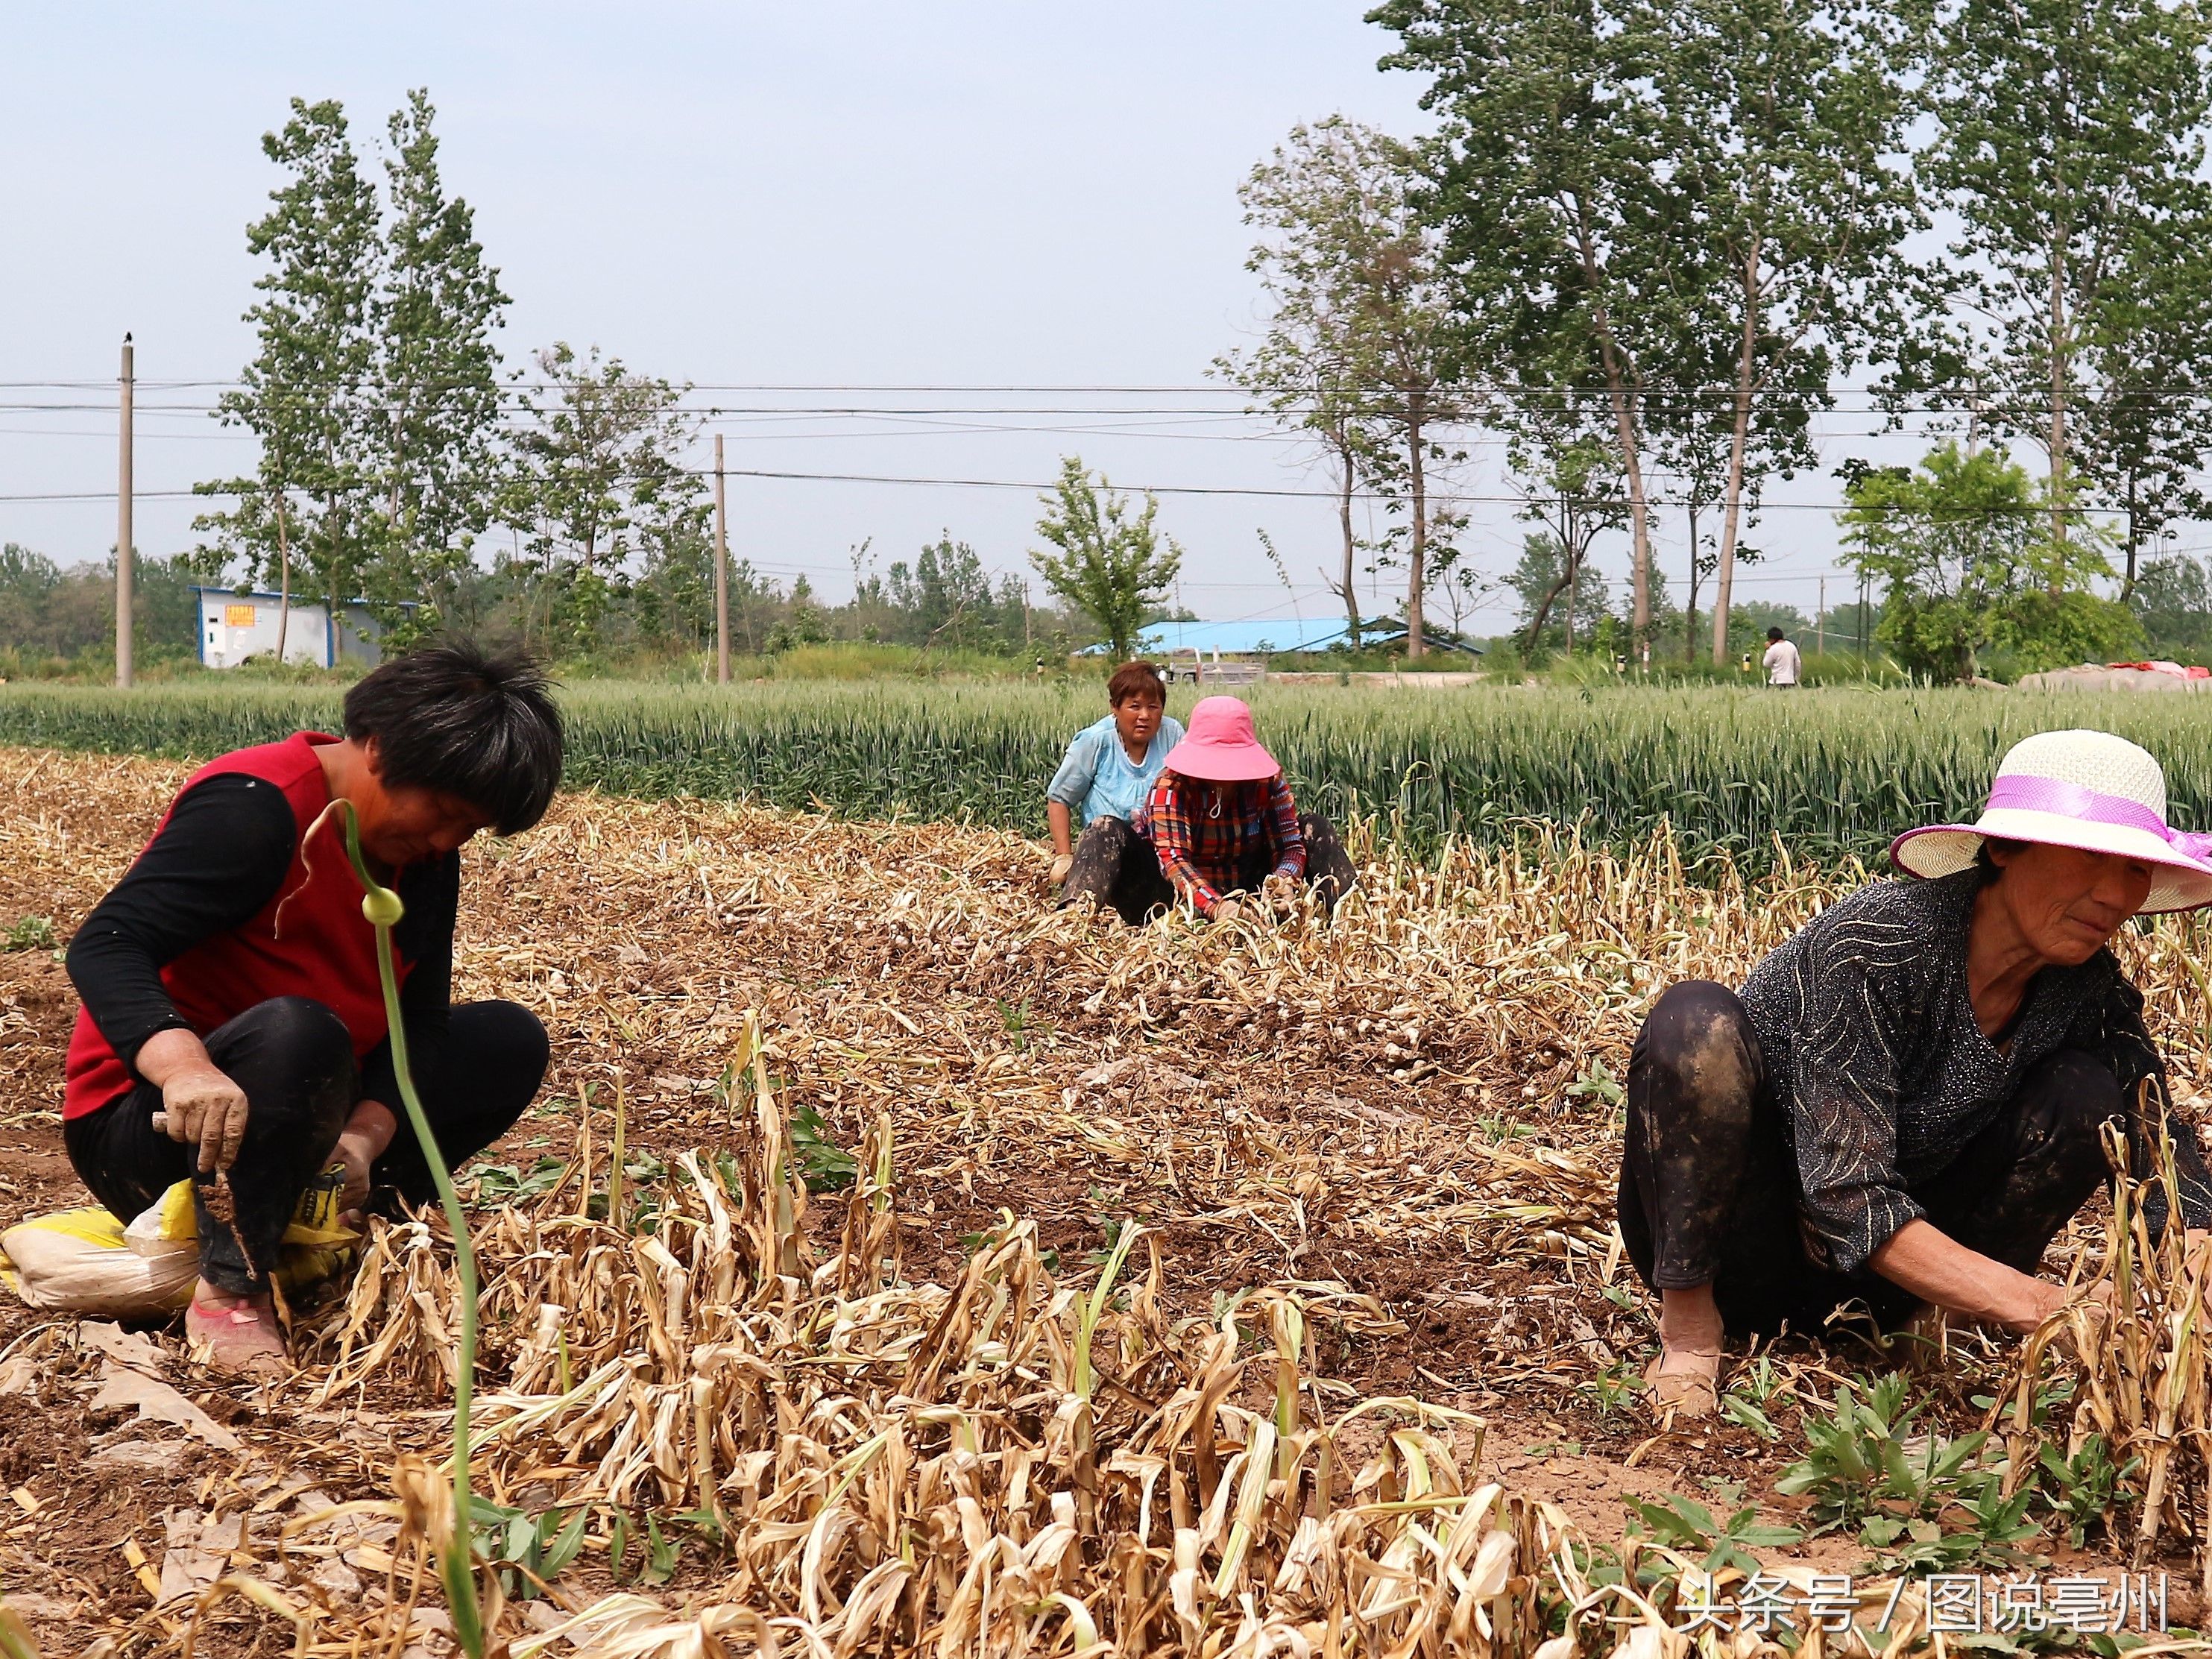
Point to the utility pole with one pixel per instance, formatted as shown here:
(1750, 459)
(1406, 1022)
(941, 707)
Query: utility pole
(721, 574)
(1821, 622)
(124, 558)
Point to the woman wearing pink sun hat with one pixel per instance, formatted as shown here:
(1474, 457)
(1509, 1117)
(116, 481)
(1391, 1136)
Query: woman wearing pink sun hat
(1905, 1102)
(1219, 821)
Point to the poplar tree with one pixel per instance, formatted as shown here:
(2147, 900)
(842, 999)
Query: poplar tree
(1110, 565)
(308, 394)
(599, 483)
(1561, 192)
(374, 390)
(435, 317)
(1803, 204)
(1356, 351)
(2068, 139)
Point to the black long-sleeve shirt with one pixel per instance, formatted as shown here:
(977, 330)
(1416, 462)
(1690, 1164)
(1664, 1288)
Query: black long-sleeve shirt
(1871, 1041)
(216, 864)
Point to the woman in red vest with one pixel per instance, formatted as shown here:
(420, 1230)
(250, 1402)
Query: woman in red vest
(234, 1022)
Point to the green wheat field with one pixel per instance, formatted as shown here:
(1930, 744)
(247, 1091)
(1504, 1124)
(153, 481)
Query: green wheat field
(1826, 775)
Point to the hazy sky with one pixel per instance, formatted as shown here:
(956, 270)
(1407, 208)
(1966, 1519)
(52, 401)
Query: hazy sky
(838, 196)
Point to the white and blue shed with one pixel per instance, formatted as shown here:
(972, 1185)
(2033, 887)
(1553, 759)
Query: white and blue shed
(236, 625)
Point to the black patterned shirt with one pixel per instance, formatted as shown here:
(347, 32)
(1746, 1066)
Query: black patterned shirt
(1871, 1043)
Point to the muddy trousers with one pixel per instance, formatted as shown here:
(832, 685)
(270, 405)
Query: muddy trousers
(1117, 868)
(293, 1059)
(1708, 1187)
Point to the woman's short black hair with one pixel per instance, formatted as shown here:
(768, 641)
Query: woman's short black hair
(455, 718)
(1136, 679)
(2009, 848)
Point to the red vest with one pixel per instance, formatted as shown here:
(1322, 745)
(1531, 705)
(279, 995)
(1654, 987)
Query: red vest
(325, 948)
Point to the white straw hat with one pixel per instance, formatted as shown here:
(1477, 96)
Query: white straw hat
(2085, 789)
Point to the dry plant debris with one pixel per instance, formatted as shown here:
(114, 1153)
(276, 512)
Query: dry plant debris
(1357, 1178)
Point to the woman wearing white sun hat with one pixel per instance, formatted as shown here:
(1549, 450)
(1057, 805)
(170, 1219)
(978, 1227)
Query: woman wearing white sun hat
(1904, 1103)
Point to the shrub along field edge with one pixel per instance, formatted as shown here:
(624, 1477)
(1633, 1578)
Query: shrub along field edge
(1824, 775)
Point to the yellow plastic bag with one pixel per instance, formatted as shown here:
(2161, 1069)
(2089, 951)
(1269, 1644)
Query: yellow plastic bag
(86, 1261)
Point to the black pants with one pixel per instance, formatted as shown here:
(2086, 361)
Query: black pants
(1710, 1193)
(1119, 869)
(293, 1059)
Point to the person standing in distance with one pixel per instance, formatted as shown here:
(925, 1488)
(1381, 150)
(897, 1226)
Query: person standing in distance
(1784, 664)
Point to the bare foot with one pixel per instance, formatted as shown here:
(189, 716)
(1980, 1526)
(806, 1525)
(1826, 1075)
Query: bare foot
(239, 1333)
(1684, 1381)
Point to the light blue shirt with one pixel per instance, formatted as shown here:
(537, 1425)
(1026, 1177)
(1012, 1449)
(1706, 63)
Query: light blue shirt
(1096, 775)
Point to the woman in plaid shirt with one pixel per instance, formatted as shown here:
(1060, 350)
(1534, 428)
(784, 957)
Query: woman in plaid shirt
(1219, 821)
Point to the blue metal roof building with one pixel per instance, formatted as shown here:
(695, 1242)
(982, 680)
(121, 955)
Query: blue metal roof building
(1241, 639)
(1249, 639)
(1268, 636)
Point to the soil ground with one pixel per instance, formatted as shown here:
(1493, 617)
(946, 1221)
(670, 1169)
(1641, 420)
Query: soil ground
(1436, 1133)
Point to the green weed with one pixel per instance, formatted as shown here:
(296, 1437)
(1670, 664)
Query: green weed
(31, 933)
(1923, 1501)
(1597, 1085)
(2083, 1492)
(1019, 1021)
(1750, 1397)
(508, 1183)
(527, 1551)
(823, 1165)
(1618, 1386)
(1683, 1523)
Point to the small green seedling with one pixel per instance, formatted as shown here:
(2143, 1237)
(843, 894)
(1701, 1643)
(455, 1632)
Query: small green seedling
(823, 1165)
(31, 933)
(508, 1183)
(528, 1552)
(2083, 1491)
(1685, 1524)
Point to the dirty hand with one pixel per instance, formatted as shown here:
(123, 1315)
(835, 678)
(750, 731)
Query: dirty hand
(1061, 863)
(2052, 1299)
(354, 1155)
(1228, 910)
(1280, 889)
(367, 1135)
(2102, 1296)
(201, 1104)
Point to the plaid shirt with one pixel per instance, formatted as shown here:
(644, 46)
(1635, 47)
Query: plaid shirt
(1206, 850)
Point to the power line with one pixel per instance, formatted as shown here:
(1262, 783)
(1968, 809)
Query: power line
(1436, 497)
(1950, 400)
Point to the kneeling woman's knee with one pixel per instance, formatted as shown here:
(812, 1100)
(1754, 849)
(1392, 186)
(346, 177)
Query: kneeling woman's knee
(1698, 1032)
(301, 1028)
(1695, 1013)
(294, 1058)
(519, 1037)
(2078, 1096)
(1109, 832)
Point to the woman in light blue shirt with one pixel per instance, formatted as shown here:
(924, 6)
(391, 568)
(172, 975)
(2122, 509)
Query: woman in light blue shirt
(1110, 766)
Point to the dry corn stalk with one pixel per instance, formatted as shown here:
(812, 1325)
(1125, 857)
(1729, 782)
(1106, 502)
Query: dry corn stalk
(867, 1409)
(2133, 1348)
(1011, 1464)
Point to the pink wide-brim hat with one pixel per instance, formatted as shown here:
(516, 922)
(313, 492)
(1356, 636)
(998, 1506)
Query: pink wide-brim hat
(1218, 746)
(2083, 789)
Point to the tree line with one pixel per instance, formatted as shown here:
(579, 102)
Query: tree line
(400, 462)
(1645, 244)
(1642, 250)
